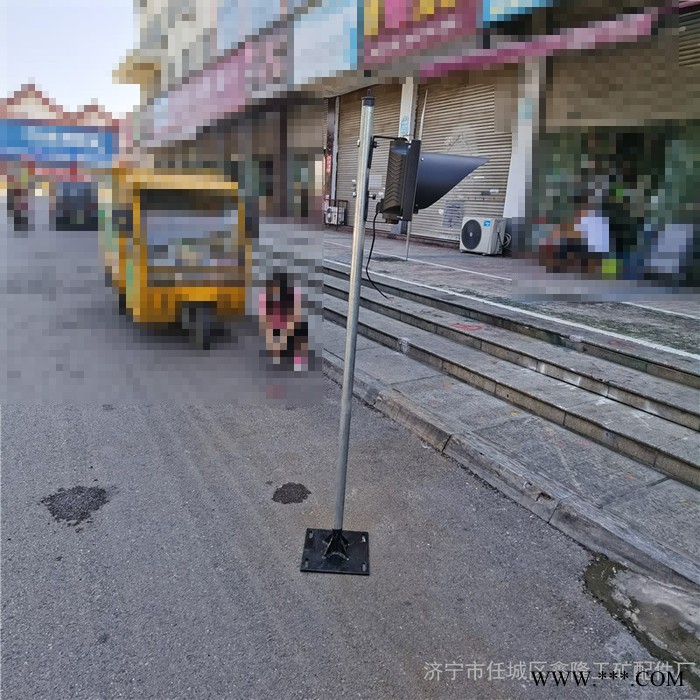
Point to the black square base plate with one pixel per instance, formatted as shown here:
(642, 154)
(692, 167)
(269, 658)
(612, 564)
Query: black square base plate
(357, 549)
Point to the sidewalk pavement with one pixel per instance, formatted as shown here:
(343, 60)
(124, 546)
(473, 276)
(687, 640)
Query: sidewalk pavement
(605, 501)
(668, 320)
(611, 504)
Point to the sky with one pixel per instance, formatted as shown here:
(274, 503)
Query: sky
(68, 48)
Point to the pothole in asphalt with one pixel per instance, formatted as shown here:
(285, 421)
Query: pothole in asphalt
(75, 505)
(291, 493)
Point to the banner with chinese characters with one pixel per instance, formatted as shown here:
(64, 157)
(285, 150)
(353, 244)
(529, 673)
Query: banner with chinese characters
(396, 28)
(49, 143)
(258, 70)
(266, 66)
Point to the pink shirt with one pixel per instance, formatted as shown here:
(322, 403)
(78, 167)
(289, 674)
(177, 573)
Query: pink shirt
(277, 319)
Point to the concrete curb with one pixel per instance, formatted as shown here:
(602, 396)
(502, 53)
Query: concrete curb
(364, 386)
(414, 417)
(549, 500)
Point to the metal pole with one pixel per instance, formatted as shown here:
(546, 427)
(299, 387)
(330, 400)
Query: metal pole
(358, 240)
(420, 136)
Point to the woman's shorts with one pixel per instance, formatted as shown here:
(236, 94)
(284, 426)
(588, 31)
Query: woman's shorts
(300, 336)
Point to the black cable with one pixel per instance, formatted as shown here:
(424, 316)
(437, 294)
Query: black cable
(369, 257)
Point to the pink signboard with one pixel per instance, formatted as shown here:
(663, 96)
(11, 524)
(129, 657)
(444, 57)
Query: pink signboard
(627, 28)
(266, 65)
(400, 34)
(201, 100)
(253, 72)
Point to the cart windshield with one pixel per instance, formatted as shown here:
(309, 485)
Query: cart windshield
(194, 232)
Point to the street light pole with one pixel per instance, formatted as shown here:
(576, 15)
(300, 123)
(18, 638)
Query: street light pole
(336, 551)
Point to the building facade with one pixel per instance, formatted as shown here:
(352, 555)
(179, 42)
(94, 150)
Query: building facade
(44, 148)
(279, 98)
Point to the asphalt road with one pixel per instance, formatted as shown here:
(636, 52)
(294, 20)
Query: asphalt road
(180, 576)
(65, 341)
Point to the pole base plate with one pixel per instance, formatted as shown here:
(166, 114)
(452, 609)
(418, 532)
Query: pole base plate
(336, 552)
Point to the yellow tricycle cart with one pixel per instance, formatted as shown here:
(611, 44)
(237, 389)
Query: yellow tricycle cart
(176, 250)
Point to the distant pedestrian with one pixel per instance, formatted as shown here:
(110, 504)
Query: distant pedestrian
(18, 206)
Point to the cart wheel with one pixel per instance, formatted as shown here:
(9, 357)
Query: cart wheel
(201, 331)
(122, 304)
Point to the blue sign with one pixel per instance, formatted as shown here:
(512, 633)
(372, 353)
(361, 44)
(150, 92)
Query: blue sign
(500, 10)
(46, 143)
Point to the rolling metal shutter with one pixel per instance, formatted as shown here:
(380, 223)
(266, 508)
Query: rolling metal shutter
(386, 122)
(689, 39)
(348, 133)
(460, 119)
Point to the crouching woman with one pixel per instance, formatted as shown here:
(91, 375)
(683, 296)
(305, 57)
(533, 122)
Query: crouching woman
(281, 322)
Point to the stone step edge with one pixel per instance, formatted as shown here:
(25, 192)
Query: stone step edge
(650, 455)
(535, 328)
(551, 501)
(575, 377)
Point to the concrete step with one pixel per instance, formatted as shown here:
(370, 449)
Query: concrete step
(608, 501)
(670, 448)
(682, 368)
(660, 397)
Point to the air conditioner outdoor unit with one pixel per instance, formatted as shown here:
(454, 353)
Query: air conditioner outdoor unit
(482, 235)
(335, 216)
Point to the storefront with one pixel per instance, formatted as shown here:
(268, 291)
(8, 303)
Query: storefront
(240, 117)
(465, 114)
(616, 162)
(280, 148)
(306, 135)
(46, 152)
